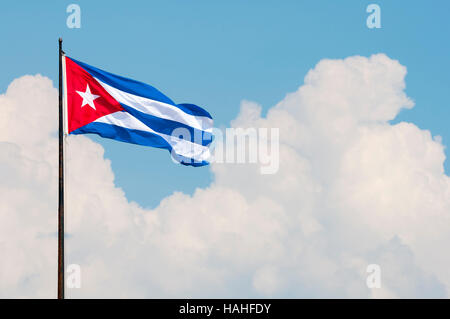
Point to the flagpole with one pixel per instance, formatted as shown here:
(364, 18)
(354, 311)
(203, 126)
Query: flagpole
(61, 184)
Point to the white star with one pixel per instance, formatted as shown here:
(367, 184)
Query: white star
(88, 97)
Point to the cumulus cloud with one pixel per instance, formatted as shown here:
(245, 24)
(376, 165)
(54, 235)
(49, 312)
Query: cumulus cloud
(351, 190)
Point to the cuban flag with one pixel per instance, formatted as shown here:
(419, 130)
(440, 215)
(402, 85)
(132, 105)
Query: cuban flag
(126, 110)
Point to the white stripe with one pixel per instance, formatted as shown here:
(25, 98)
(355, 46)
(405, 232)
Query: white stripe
(182, 147)
(159, 109)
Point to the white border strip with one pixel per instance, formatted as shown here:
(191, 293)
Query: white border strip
(65, 111)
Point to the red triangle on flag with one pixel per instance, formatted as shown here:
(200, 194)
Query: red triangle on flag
(86, 100)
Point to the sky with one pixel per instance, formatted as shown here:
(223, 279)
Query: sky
(215, 54)
(363, 147)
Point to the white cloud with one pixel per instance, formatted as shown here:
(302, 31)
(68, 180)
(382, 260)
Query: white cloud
(351, 190)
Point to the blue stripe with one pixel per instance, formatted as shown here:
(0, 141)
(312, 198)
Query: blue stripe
(193, 110)
(138, 137)
(164, 126)
(140, 89)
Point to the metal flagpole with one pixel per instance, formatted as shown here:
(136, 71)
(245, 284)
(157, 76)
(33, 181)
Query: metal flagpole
(61, 183)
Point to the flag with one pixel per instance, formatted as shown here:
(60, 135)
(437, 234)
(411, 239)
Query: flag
(126, 110)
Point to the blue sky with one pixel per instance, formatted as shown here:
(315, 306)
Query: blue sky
(215, 54)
